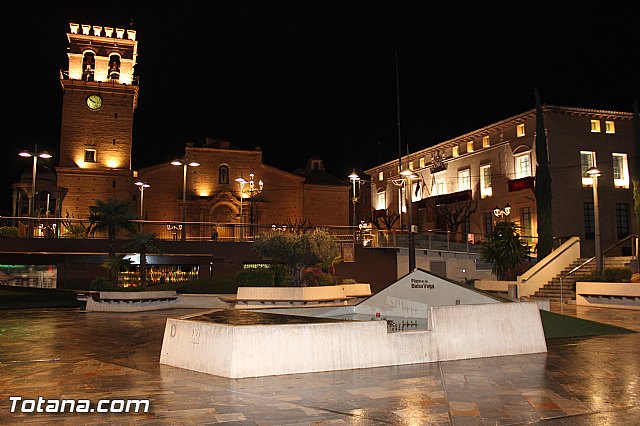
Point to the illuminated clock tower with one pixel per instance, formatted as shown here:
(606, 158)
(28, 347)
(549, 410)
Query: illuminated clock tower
(100, 95)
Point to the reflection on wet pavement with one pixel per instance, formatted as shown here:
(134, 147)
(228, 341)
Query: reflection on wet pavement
(76, 354)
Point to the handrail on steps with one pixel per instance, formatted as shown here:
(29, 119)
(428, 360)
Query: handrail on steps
(628, 237)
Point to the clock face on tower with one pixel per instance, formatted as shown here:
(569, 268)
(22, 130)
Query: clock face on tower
(94, 102)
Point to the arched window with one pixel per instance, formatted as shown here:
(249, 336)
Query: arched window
(223, 174)
(114, 67)
(88, 66)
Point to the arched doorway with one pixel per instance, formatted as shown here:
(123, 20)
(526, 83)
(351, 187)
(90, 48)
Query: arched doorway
(225, 214)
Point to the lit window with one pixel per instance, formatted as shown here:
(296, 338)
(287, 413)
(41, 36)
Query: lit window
(595, 126)
(223, 174)
(456, 151)
(609, 127)
(620, 171)
(89, 155)
(381, 176)
(422, 162)
(440, 184)
(488, 223)
(470, 146)
(589, 221)
(523, 165)
(587, 160)
(464, 180)
(382, 199)
(486, 142)
(520, 130)
(622, 220)
(485, 181)
(410, 165)
(525, 223)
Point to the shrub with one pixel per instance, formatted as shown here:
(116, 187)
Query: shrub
(282, 275)
(611, 275)
(315, 277)
(8, 231)
(511, 274)
(256, 277)
(504, 248)
(349, 281)
(132, 289)
(299, 251)
(101, 284)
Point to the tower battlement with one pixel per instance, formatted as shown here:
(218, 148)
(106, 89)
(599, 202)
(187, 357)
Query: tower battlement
(101, 54)
(97, 31)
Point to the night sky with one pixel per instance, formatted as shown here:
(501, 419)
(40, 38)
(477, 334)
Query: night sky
(302, 78)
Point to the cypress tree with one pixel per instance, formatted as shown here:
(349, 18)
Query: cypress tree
(543, 185)
(635, 175)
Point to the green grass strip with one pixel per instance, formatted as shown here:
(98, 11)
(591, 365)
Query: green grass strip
(558, 326)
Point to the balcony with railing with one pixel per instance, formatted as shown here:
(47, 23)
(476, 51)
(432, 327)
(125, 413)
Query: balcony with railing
(113, 78)
(528, 182)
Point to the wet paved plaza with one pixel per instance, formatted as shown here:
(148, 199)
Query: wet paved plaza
(63, 354)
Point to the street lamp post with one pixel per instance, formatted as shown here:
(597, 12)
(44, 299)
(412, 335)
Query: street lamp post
(408, 174)
(594, 172)
(35, 154)
(142, 186)
(353, 177)
(184, 163)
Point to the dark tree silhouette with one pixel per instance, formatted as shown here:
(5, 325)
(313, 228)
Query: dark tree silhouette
(635, 174)
(143, 244)
(543, 185)
(111, 217)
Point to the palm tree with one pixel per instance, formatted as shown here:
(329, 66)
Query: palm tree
(143, 244)
(115, 265)
(504, 248)
(111, 217)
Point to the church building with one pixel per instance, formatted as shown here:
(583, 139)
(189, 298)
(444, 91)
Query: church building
(215, 182)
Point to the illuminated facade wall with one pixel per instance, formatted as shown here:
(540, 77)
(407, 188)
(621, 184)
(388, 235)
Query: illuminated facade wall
(505, 151)
(99, 99)
(213, 198)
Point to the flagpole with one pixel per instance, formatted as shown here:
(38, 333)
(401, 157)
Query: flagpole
(399, 139)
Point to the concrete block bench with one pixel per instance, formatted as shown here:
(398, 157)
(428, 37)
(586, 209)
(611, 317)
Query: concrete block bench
(610, 295)
(115, 301)
(259, 297)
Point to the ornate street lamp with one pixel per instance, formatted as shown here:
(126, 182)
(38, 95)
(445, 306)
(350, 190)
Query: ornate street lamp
(184, 163)
(35, 154)
(594, 172)
(250, 191)
(498, 212)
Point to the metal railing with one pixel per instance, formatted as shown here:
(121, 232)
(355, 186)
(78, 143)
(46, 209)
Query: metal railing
(430, 240)
(632, 238)
(135, 80)
(24, 227)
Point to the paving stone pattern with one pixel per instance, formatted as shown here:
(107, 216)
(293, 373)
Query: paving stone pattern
(90, 355)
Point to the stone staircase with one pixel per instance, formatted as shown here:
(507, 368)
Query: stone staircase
(552, 291)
